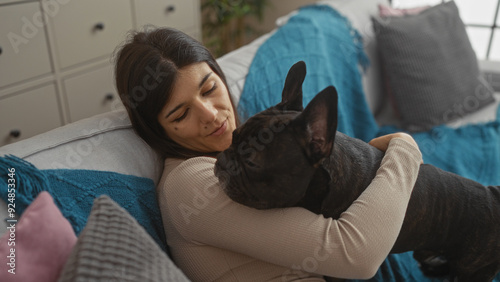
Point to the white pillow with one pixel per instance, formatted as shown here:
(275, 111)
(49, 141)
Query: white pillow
(104, 142)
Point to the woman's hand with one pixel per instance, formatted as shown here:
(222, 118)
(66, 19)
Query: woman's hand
(382, 142)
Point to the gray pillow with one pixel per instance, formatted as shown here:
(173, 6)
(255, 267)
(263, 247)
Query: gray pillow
(430, 68)
(114, 247)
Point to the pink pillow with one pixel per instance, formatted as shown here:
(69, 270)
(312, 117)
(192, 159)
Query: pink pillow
(43, 241)
(386, 11)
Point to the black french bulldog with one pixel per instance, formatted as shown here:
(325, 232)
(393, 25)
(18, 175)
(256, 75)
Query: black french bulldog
(289, 156)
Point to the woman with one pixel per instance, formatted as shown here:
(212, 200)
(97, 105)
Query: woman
(178, 102)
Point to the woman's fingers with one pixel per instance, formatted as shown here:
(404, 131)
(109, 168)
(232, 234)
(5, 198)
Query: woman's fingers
(382, 142)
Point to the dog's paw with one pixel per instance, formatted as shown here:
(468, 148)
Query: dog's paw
(432, 264)
(435, 267)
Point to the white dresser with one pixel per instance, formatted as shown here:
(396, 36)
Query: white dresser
(56, 56)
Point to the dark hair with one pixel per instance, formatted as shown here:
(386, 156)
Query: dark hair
(146, 69)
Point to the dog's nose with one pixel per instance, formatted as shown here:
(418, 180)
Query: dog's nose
(221, 165)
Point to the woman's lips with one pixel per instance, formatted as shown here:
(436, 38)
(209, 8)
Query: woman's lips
(220, 130)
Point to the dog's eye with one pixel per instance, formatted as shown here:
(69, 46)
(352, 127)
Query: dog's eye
(251, 164)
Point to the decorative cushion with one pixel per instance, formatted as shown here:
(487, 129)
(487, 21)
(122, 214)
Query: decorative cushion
(388, 11)
(38, 246)
(114, 247)
(74, 191)
(431, 69)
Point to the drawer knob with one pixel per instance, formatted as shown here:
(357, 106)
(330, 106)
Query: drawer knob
(170, 9)
(109, 97)
(1, 50)
(99, 26)
(15, 133)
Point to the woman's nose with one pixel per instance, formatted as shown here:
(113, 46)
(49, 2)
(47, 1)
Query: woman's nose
(208, 112)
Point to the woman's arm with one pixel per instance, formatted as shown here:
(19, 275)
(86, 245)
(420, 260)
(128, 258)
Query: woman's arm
(354, 246)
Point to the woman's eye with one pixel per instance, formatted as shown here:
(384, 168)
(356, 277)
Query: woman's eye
(210, 90)
(181, 117)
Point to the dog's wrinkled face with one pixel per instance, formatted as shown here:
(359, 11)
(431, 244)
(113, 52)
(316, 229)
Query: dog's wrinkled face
(264, 165)
(274, 153)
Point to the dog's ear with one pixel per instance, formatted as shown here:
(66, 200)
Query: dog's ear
(317, 125)
(291, 97)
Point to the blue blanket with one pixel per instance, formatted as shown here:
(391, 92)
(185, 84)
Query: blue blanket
(332, 55)
(472, 151)
(75, 190)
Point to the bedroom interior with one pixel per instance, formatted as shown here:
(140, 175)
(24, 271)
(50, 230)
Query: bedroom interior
(78, 166)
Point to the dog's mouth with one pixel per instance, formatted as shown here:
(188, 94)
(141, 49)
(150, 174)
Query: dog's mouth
(245, 184)
(233, 180)
(232, 184)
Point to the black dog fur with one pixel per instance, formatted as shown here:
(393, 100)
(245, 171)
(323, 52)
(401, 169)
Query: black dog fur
(289, 156)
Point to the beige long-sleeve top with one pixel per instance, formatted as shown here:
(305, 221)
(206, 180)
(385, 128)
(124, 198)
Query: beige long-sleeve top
(213, 238)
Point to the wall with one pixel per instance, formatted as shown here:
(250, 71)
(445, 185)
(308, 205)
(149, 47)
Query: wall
(274, 10)
(278, 8)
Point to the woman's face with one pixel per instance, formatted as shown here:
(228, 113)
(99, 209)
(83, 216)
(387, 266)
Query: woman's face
(199, 115)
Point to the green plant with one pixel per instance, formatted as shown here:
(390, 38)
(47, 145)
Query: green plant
(225, 22)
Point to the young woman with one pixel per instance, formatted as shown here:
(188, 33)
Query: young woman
(177, 99)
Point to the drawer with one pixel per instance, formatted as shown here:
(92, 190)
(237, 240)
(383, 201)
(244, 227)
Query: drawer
(24, 52)
(180, 14)
(29, 113)
(89, 29)
(91, 93)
